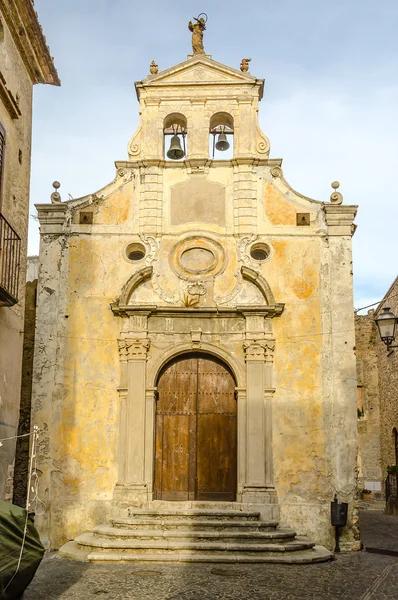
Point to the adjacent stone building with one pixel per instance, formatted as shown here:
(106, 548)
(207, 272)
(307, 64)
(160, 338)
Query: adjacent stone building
(370, 474)
(24, 61)
(377, 378)
(195, 328)
(388, 382)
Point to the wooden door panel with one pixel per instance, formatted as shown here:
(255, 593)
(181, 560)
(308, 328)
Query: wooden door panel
(195, 455)
(175, 465)
(216, 464)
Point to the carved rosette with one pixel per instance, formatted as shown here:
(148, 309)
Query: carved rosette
(133, 349)
(259, 350)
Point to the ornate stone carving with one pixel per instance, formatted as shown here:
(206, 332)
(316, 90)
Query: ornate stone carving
(336, 197)
(56, 196)
(152, 245)
(244, 65)
(159, 290)
(259, 350)
(276, 172)
(134, 149)
(153, 68)
(196, 337)
(190, 301)
(196, 289)
(242, 245)
(133, 349)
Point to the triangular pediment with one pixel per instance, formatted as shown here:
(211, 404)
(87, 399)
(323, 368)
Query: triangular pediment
(198, 70)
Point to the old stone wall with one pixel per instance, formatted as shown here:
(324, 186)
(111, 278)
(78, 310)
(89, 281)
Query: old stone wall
(368, 406)
(14, 206)
(24, 60)
(388, 381)
(22, 448)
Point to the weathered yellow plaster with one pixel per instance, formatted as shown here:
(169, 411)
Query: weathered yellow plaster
(278, 210)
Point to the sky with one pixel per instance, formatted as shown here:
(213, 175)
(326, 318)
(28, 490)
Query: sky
(330, 107)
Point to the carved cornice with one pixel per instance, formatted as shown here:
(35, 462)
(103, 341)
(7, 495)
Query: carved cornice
(52, 217)
(259, 350)
(26, 31)
(129, 310)
(209, 163)
(339, 219)
(8, 99)
(133, 349)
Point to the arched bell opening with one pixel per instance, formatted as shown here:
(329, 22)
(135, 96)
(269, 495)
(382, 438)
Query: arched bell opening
(221, 136)
(175, 137)
(196, 430)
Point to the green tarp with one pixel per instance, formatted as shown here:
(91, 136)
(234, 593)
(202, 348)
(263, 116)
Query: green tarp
(12, 524)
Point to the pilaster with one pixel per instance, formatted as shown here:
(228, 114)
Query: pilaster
(133, 419)
(259, 486)
(151, 199)
(245, 202)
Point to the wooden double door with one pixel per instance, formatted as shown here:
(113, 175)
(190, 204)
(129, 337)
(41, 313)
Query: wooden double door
(196, 441)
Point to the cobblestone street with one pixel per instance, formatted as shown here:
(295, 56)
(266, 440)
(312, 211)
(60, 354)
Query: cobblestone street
(356, 576)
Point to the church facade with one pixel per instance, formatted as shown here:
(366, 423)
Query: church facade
(195, 329)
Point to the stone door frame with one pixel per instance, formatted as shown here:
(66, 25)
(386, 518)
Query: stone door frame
(141, 362)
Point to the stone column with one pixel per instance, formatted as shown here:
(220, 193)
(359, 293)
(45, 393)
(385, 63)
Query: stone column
(133, 486)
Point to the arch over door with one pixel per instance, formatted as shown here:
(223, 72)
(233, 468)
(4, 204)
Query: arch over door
(196, 449)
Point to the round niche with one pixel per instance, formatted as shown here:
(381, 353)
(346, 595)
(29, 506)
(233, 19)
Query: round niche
(135, 252)
(260, 252)
(197, 257)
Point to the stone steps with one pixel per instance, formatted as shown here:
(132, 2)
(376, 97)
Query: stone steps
(200, 524)
(185, 533)
(193, 535)
(93, 542)
(317, 554)
(195, 514)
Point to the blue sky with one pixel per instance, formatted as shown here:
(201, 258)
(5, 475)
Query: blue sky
(330, 106)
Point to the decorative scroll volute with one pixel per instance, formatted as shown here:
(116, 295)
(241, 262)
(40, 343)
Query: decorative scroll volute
(133, 349)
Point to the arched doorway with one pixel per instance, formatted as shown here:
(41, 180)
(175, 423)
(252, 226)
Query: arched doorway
(195, 438)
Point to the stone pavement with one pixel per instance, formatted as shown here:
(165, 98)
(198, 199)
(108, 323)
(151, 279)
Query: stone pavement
(379, 532)
(355, 576)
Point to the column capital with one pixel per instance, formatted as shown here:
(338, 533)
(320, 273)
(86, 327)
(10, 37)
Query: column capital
(133, 349)
(259, 350)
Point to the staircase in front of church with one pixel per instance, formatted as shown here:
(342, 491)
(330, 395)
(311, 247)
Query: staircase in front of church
(174, 534)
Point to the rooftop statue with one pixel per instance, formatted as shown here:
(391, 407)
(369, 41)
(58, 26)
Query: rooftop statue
(197, 33)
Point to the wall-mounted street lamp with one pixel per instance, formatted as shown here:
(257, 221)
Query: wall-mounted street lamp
(387, 324)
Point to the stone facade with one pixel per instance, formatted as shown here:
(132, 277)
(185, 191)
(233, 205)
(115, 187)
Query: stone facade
(388, 382)
(377, 386)
(370, 475)
(220, 257)
(24, 61)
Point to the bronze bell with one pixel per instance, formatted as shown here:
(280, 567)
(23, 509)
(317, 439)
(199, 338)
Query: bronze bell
(175, 151)
(222, 142)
